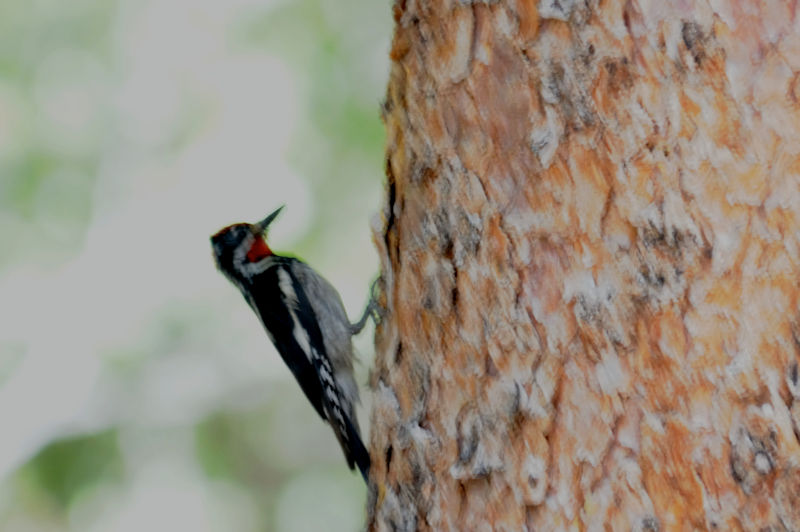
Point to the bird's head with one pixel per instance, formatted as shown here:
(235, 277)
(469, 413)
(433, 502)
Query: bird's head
(239, 244)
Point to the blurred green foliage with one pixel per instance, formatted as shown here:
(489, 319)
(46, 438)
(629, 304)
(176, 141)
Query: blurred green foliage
(334, 59)
(65, 468)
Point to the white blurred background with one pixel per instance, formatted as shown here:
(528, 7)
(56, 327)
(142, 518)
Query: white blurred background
(137, 390)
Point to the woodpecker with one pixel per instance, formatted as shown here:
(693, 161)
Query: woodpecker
(304, 317)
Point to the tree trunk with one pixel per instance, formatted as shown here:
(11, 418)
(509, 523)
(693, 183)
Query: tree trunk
(591, 257)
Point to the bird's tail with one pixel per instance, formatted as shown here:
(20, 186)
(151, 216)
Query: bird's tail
(356, 453)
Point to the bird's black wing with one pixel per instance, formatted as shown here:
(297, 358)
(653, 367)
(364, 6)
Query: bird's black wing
(334, 402)
(275, 312)
(284, 308)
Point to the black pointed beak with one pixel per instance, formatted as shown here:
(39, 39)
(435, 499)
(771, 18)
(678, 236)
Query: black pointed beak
(261, 226)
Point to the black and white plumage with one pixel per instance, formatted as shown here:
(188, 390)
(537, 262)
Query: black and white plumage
(305, 319)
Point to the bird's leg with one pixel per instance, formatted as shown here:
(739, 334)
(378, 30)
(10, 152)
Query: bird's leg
(373, 310)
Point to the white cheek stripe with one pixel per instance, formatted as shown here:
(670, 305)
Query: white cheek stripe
(240, 253)
(256, 268)
(249, 269)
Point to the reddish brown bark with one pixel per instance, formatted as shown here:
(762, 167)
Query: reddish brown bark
(591, 258)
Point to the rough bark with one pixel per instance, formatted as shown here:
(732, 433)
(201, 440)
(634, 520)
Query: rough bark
(591, 255)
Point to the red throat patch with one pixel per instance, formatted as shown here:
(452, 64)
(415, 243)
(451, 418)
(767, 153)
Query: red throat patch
(258, 250)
